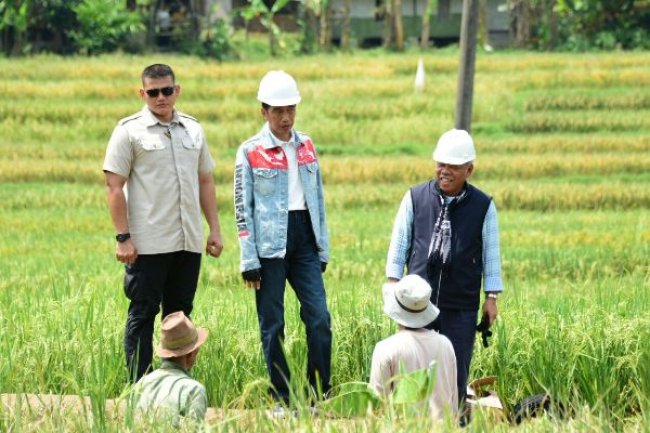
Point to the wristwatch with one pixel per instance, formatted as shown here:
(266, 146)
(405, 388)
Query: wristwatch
(122, 237)
(492, 295)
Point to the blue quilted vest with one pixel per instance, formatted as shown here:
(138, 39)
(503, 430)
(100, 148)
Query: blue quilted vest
(457, 286)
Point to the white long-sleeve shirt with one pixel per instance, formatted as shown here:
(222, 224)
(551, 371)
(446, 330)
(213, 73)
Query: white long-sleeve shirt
(416, 349)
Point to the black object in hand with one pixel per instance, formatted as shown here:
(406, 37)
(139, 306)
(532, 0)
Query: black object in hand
(252, 275)
(323, 266)
(484, 329)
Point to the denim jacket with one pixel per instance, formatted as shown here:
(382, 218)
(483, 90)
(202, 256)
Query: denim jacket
(262, 197)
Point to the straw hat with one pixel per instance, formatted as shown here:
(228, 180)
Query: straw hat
(407, 302)
(179, 336)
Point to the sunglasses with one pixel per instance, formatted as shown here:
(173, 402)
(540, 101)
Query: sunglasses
(166, 91)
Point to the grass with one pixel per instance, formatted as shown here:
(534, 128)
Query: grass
(562, 145)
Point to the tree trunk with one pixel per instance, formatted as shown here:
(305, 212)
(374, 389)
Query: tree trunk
(131, 4)
(552, 26)
(426, 24)
(345, 25)
(309, 22)
(388, 24)
(483, 25)
(399, 26)
(325, 33)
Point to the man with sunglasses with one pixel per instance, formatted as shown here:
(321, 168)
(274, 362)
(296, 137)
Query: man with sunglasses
(162, 157)
(446, 231)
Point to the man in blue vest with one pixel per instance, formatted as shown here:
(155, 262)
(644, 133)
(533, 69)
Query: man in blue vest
(446, 231)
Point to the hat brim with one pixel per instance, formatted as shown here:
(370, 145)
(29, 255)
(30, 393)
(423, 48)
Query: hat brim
(403, 317)
(168, 353)
(285, 102)
(453, 161)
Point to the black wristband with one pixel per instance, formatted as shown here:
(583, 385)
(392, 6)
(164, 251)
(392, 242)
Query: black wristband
(252, 275)
(122, 237)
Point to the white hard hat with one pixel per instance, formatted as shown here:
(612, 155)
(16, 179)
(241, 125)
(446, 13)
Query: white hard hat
(278, 89)
(455, 147)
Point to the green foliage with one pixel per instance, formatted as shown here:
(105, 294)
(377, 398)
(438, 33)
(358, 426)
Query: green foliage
(103, 25)
(258, 9)
(414, 387)
(218, 41)
(580, 25)
(350, 399)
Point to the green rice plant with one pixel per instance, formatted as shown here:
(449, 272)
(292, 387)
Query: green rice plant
(562, 148)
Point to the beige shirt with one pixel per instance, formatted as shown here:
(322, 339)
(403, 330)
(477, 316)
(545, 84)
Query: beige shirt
(416, 349)
(161, 164)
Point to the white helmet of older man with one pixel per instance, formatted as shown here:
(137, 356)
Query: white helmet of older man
(278, 89)
(455, 147)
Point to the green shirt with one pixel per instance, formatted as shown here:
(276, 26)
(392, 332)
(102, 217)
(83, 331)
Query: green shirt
(171, 390)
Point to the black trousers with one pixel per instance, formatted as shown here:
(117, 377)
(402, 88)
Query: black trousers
(169, 279)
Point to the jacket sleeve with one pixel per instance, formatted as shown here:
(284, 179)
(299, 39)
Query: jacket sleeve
(244, 212)
(324, 240)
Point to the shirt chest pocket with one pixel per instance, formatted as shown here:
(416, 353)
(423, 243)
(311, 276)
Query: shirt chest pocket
(152, 144)
(190, 144)
(265, 180)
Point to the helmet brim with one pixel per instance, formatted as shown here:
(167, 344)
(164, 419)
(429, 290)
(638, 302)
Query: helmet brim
(280, 102)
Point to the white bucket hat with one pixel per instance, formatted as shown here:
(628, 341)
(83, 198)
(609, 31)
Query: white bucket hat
(408, 303)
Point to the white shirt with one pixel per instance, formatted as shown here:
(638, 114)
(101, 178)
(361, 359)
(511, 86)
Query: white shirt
(296, 193)
(415, 349)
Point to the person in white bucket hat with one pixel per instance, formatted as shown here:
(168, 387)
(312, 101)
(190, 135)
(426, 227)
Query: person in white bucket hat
(415, 347)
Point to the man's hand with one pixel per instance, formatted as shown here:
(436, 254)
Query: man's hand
(252, 278)
(490, 310)
(214, 245)
(126, 252)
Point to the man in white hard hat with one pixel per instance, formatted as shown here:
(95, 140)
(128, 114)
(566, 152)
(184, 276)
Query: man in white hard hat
(280, 216)
(446, 231)
(414, 347)
(170, 391)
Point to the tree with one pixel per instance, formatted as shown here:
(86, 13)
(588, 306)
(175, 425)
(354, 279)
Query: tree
(14, 16)
(258, 9)
(103, 25)
(398, 25)
(325, 31)
(426, 18)
(345, 25)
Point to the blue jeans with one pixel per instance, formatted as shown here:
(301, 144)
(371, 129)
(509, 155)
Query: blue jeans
(169, 279)
(460, 327)
(301, 267)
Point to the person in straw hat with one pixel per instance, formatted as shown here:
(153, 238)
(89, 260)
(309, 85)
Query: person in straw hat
(415, 347)
(170, 388)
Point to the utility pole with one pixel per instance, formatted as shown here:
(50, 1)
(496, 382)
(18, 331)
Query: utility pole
(466, 67)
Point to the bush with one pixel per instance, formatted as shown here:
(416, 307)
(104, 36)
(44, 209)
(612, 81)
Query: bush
(103, 25)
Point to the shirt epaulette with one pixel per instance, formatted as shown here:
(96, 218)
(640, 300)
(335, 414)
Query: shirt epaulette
(187, 116)
(130, 118)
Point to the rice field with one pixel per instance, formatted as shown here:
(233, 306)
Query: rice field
(563, 143)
